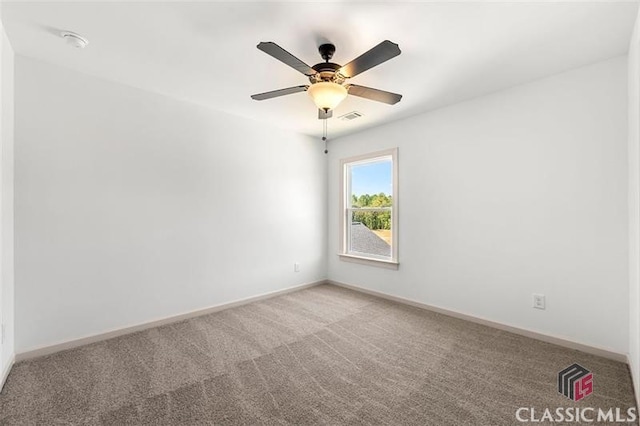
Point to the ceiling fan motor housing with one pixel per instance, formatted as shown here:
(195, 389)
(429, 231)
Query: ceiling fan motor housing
(326, 71)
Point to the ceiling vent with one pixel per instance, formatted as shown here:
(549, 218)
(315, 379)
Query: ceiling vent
(350, 116)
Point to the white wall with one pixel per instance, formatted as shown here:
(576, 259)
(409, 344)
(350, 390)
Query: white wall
(519, 192)
(131, 206)
(634, 206)
(6, 201)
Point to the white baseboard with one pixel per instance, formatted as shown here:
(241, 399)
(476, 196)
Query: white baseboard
(74, 343)
(6, 371)
(605, 353)
(70, 344)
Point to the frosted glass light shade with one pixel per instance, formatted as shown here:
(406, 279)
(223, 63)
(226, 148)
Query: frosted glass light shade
(327, 95)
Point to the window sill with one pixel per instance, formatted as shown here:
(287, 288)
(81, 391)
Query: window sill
(381, 263)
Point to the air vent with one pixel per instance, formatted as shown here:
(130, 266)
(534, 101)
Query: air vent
(351, 116)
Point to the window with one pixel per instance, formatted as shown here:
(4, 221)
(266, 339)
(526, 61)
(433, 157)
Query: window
(369, 208)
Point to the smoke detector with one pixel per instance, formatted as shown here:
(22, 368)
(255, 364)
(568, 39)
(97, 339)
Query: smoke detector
(75, 40)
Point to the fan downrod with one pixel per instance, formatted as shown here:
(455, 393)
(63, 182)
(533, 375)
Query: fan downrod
(326, 51)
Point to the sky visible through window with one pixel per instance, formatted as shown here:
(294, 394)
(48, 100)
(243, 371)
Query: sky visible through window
(372, 178)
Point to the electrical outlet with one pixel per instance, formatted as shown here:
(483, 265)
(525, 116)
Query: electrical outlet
(538, 301)
(296, 267)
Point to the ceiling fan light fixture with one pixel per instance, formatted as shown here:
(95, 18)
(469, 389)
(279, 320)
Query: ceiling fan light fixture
(327, 95)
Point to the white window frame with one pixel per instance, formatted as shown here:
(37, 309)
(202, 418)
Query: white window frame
(345, 210)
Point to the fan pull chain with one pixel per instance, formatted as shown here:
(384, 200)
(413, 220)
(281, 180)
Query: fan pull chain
(324, 134)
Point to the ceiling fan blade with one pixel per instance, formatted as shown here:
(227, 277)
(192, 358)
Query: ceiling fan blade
(374, 94)
(282, 55)
(377, 55)
(322, 115)
(281, 92)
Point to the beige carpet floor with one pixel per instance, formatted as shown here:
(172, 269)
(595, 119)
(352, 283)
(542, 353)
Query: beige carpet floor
(324, 355)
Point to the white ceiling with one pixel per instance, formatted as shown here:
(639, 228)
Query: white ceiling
(205, 52)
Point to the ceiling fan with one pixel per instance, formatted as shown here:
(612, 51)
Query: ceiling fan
(328, 80)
